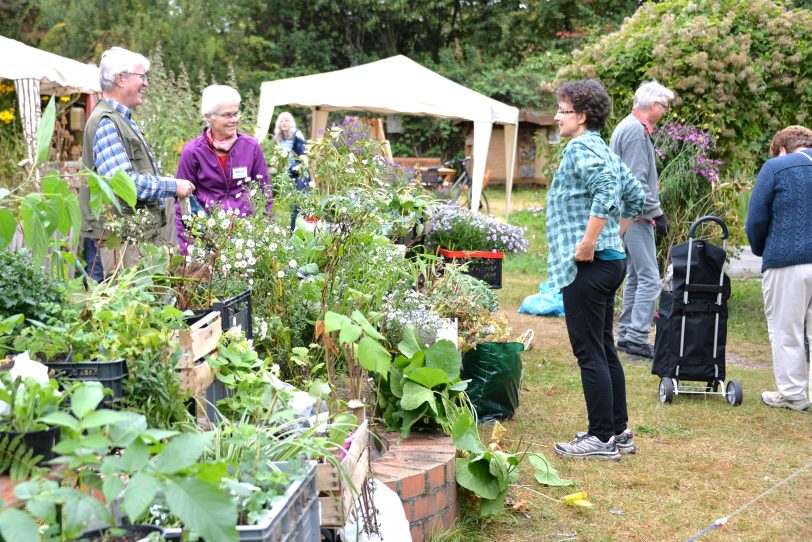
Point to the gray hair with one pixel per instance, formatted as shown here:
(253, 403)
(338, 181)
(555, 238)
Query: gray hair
(214, 95)
(278, 136)
(118, 60)
(651, 92)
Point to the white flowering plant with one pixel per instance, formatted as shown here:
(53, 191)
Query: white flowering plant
(456, 228)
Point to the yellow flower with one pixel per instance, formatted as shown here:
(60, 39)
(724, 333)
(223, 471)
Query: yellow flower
(7, 116)
(64, 99)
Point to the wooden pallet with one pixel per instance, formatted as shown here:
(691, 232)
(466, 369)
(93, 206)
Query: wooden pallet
(197, 342)
(337, 495)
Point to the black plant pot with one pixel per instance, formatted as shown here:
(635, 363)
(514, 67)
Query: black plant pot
(132, 533)
(42, 442)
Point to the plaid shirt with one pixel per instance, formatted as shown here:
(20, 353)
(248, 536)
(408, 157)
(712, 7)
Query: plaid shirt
(110, 156)
(591, 181)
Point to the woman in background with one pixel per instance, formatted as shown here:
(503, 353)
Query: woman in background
(286, 135)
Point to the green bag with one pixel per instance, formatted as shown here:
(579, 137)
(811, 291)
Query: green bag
(495, 371)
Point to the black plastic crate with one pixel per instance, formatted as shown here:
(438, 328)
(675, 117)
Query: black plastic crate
(488, 269)
(111, 374)
(236, 312)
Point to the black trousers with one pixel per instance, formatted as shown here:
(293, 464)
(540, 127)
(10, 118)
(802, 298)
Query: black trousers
(589, 304)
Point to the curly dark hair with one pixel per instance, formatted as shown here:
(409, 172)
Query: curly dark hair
(589, 97)
(791, 138)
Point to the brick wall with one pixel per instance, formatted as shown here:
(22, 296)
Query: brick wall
(420, 470)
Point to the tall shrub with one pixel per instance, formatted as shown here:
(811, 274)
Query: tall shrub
(740, 69)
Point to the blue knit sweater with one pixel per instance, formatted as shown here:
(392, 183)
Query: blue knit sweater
(779, 223)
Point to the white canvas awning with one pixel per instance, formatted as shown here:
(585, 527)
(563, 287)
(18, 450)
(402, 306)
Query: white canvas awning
(396, 85)
(36, 72)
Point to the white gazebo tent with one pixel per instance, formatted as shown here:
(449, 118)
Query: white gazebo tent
(36, 72)
(396, 85)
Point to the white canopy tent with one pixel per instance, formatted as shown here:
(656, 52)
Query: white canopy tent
(396, 85)
(36, 72)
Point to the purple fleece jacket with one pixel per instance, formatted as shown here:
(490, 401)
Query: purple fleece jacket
(199, 164)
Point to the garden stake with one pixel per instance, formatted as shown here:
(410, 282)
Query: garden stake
(721, 521)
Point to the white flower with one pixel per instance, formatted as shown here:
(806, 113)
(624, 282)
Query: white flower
(253, 192)
(272, 247)
(238, 243)
(211, 223)
(280, 274)
(201, 214)
(250, 243)
(225, 223)
(248, 253)
(221, 214)
(238, 255)
(292, 264)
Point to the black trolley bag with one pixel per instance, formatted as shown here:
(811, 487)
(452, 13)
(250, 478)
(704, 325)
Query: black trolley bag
(692, 321)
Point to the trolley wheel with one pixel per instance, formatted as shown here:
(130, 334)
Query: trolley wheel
(734, 393)
(666, 390)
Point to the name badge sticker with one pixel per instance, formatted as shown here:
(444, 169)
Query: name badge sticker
(239, 173)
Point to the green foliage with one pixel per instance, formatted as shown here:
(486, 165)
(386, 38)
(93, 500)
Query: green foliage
(28, 402)
(149, 463)
(738, 68)
(19, 461)
(545, 473)
(26, 290)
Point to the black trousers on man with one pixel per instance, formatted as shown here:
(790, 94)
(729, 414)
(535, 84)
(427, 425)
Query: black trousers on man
(589, 305)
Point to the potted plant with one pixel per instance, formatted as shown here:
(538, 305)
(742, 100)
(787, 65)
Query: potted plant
(479, 240)
(131, 466)
(24, 402)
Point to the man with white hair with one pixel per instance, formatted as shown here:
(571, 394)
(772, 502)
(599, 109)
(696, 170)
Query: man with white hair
(113, 142)
(632, 141)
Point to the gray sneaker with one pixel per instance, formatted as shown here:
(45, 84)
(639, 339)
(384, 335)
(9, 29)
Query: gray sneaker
(624, 441)
(588, 447)
(775, 399)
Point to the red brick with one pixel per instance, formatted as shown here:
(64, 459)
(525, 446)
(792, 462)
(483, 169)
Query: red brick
(441, 499)
(436, 476)
(450, 470)
(413, 485)
(450, 514)
(423, 507)
(417, 533)
(408, 509)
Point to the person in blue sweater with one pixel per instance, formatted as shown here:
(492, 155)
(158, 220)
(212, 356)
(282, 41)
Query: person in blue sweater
(779, 227)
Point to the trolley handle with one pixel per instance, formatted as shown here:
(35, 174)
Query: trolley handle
(707, 218)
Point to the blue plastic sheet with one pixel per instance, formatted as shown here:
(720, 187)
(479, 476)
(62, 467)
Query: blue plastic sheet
(544, 303)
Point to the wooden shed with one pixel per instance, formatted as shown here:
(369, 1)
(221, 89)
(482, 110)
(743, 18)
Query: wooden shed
(533, 125)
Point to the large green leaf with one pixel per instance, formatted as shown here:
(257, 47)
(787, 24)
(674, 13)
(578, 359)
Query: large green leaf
(410, 344)
(111, 488)
(17, 525)
(103, 417)
(124, 187)
(62, 419)
(349, 334)
(334, 321)
(414, 395)
(493, 507)
(100, 191)
(474, 475)
(369, 329)
(86, 398)
(8, 225)
(546, 474)
(182, 451)
(396, 380)
(46, 130)
(81, 511)
(374, 357)
(465, 434)
(427, 377)
(139, 495)
(444, 355)
(35, 223)
(408, 419)
(203, 507)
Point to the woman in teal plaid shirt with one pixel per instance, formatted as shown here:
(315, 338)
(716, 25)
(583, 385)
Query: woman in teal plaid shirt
(592, 200)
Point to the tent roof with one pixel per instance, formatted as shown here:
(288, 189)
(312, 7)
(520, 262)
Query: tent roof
(57, 75)
(393, 85)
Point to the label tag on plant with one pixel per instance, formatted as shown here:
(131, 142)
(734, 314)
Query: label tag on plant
(239, 173)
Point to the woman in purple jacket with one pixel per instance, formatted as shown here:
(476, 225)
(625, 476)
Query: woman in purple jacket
(222, 163)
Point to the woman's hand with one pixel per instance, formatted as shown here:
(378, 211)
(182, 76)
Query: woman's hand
(584, 251)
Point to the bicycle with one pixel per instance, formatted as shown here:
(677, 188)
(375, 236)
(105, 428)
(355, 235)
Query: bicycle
(460, 190)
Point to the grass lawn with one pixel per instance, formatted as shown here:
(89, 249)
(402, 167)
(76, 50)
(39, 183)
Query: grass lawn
(699, 459)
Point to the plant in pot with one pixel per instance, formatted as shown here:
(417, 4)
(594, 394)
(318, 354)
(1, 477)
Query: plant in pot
(481, 241)
(25, 439)
(132, 466)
